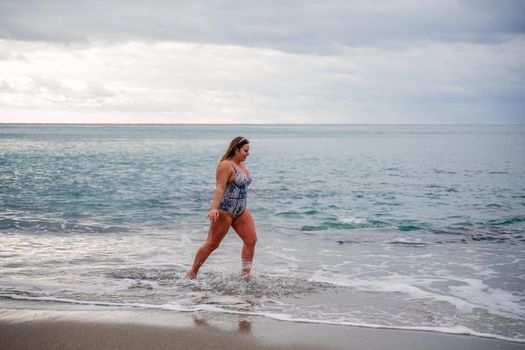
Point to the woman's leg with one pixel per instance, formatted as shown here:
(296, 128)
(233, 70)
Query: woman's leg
(245, 228)
(216, 233)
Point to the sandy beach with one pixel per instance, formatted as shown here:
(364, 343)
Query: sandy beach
(28, 326)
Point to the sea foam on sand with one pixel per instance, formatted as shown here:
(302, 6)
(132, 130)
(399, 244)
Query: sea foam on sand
(28, 325)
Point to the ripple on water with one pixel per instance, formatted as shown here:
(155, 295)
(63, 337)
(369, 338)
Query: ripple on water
(263, 285)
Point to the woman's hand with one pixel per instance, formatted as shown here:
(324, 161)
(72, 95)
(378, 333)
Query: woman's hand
(213, 215)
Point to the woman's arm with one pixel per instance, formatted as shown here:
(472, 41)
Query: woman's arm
(222, 176)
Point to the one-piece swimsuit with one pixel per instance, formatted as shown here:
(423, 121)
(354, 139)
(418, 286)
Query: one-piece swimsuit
(236, 194)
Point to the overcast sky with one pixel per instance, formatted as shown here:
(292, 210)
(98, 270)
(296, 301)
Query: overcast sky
(404, 61)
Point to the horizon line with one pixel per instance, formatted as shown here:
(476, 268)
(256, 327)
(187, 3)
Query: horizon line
(263, 124)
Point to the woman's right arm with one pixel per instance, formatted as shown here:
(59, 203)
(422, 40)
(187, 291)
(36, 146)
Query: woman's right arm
(222, 176)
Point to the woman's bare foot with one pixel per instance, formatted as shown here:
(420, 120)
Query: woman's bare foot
(191, 275)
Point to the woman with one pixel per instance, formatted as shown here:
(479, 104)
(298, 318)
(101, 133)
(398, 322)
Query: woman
(229, 208)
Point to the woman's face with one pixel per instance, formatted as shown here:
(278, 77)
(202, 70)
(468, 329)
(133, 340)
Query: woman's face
(243, 152)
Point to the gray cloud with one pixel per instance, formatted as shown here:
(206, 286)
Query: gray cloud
(296, 26)
(410, 61)
(177, 82)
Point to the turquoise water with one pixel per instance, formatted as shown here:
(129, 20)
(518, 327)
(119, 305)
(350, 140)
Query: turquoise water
(418, 227)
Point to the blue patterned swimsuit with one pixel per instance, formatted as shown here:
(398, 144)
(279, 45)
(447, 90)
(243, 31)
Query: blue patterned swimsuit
(235, 194)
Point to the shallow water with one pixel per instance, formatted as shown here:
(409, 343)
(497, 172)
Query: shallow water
(418, 227)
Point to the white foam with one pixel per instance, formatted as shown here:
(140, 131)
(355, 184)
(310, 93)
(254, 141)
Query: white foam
(286, 257)
(473, 294)
(174, 307)
(403, 285)
(495, 300)
(458, 330)
(353, 220)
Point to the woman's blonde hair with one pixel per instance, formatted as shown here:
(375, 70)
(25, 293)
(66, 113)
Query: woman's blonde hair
(236, 144)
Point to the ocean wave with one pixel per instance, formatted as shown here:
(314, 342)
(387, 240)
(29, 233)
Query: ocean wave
(291, 214)
(345, 223)
(409, 228)
(50, 225)
(456, 330)
(411, 244)
(313, 228)
(470, 295)
(506, 221)
(146, 274)
(224, 284)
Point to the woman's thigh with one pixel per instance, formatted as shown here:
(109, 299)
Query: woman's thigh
(219, 228)
(245, 227)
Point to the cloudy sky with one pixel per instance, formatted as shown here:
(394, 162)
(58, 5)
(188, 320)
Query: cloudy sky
(276, 61)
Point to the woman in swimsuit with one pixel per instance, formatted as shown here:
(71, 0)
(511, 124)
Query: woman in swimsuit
(228, 208)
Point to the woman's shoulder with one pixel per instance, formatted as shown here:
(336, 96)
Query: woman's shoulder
(229, 165)
(225, 165)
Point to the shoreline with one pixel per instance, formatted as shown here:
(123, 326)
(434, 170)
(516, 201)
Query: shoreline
(67, 304)
(47, 325)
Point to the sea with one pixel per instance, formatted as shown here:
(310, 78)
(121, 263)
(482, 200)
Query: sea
(418, 227)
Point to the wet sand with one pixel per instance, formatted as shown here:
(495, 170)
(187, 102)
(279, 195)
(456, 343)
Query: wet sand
(81, 328)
